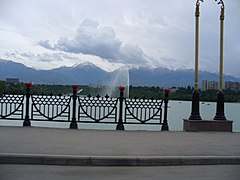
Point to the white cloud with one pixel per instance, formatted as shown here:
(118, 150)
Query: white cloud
(91, 38)
(127, 31)
(45, 44)
(57, 59)
(98, 40)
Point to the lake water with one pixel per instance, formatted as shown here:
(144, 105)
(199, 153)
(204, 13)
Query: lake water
(178, 110)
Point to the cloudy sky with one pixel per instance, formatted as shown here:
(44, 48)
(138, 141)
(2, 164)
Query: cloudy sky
(46, 34)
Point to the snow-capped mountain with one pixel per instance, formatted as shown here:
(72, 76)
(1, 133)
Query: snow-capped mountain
(89, 73)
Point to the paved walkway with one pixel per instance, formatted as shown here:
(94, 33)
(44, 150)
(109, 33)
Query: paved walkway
(40, 172)
(32, 145)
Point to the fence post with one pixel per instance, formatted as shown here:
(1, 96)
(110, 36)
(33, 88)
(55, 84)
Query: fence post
(120, 125)
(27, 121)
(165, 121)
(73, 124)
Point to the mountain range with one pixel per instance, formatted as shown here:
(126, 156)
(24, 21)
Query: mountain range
(88, 73)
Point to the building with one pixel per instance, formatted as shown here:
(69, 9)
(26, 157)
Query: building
(232, 86)
(12, 80)
(213, 85)
(204, 85)
(227, 85)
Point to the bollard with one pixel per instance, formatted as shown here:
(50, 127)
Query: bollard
(120, 125)
(166, 98)
(73, 124)
(27, 121)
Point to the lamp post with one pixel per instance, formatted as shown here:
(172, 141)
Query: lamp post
(73, 124)
(220, 97)
(27, 121)
(195, 115)
(120, 125)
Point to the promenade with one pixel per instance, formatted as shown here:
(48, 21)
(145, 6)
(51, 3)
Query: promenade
(49, 146)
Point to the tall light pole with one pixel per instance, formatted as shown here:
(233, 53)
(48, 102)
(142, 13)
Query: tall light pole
(220, 97)
(220, 123)
(195, 115)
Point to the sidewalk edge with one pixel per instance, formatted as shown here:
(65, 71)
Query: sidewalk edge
(69, 160)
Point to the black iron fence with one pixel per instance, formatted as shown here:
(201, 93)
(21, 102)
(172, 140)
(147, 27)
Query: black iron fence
(76, 109)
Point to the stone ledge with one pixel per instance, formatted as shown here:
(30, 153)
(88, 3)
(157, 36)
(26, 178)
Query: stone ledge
(207, 125)
(117, 160)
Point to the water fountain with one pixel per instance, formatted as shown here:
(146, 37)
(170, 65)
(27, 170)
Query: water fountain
(120, 77)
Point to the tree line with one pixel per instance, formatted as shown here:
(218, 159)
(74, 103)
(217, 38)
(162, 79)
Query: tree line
(156, 92)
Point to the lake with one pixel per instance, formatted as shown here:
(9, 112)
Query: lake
(178, 110)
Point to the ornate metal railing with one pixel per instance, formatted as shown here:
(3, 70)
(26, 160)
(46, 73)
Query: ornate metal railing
(50, 107)
(11, 106)
(143, 110)
(97, 109)
(76, 109)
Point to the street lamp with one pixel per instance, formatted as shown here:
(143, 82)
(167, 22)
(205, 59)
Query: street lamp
(195, 115)
(220, 97)
(195, 123)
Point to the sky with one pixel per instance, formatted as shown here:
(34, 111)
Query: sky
(46, 34)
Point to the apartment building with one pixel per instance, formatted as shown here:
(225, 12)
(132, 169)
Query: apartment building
(233, 86)
(206, 85)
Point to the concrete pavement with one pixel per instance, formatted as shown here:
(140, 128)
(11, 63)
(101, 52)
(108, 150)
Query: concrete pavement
(46, 172)
(31, 145)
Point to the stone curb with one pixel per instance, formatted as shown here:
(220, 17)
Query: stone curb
(68, 160)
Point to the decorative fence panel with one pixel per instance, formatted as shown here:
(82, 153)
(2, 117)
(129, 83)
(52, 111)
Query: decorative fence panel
(97, 109)
(11, 106)
(76, 109)
(50, 107)
(144, 111)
